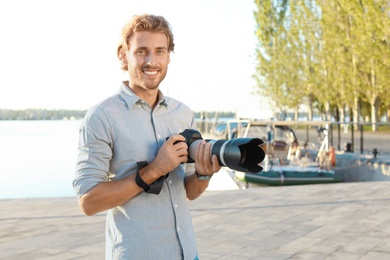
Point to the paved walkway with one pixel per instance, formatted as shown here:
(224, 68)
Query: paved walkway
(330, 221)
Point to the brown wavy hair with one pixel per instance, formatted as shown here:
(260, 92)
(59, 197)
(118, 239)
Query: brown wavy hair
(145, 22)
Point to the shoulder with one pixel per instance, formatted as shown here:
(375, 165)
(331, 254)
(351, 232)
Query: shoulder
(110, 104)
(104, 111)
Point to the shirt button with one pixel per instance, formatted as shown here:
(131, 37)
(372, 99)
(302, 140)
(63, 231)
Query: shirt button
(178, 228)
(159, 136)
(175, 205)
(170, 182)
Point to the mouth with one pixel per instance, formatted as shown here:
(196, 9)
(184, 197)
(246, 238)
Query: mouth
(150, 72)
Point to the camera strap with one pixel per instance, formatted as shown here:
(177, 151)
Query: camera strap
(157, 185)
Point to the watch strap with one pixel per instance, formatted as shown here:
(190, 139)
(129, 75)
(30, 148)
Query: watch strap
(202, 177)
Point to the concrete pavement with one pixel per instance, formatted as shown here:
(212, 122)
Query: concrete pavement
(328, 221)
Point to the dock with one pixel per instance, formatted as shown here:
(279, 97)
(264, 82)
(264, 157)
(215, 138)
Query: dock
(324, 221)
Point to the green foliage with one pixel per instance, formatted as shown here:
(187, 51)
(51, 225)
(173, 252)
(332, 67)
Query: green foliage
(328, 53)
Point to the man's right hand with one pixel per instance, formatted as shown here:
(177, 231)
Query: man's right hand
(173, 152)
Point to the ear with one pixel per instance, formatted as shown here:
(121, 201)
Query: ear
(124, 58)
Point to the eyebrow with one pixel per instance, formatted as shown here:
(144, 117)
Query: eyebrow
(146, 48)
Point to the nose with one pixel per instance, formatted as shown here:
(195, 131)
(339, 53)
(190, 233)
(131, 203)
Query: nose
(150, 59)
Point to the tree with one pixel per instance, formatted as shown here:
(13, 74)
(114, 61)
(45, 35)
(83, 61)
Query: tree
(333, 52)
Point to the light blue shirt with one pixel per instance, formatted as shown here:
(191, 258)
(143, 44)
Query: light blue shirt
(116, 134)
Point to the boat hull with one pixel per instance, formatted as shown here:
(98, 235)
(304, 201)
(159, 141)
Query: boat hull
(279, 176)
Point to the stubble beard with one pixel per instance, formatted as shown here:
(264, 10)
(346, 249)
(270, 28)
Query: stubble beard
(147, 84)
(151, 85)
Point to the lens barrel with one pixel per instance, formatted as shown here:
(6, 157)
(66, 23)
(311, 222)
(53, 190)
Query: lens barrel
(241, 154)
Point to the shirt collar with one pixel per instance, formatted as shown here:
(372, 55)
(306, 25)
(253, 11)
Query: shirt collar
(131, 98)
(161, 99)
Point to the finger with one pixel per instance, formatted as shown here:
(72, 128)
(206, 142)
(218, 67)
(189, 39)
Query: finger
(200, 152)
(176, 138)
(206, 155)
(181, 149)
(216, 165)
(183, 159)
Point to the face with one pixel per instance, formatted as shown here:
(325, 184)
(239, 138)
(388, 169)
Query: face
(147, 60)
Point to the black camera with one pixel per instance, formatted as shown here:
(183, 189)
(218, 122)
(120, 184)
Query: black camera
(241, 154)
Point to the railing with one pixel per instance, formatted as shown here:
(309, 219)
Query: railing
(344, 137)
(350, 137)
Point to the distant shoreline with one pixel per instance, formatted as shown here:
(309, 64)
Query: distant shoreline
(69, 114)
(41, 114)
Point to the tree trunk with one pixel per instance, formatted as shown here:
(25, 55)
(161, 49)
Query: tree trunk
(374, 100)
(341, 110)
(296, 113)
(374, 113)
(356, 103)
(310, 112)
(311, 109)
(327, 111)
(356, 112)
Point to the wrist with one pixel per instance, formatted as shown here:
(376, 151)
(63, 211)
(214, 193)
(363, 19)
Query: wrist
(155, 186)
(154, 171)
(202, 177)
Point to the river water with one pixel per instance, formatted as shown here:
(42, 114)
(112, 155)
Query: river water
(37, 158)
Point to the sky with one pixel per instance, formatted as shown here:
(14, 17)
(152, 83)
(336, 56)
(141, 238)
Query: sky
(59, 54)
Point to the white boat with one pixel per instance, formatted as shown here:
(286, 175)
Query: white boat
(286, 162)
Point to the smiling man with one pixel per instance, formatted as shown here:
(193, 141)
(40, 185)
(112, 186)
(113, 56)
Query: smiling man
(127, 166)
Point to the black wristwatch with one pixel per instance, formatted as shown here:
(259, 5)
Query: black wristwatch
(202, 177)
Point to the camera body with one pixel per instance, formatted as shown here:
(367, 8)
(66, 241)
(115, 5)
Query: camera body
(241, 154)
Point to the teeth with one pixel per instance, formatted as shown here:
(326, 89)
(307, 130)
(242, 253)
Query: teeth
(150, 72)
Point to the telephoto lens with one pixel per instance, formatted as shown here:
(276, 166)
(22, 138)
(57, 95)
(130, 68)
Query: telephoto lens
(240, 154)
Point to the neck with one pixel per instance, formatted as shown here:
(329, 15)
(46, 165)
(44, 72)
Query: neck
(149, 95)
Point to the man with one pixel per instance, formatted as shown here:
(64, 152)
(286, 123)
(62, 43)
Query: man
(128, 167)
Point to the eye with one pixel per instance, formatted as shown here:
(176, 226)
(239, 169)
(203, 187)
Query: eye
(161, 52)
(141, 52)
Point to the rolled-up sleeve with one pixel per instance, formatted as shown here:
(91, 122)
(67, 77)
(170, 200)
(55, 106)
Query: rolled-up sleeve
(94, 152)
